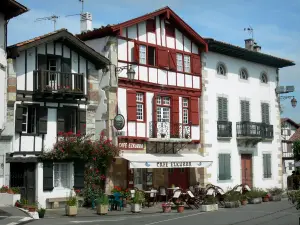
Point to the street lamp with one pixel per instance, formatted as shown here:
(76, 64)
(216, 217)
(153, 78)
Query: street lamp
(293, 101)
(130, 71)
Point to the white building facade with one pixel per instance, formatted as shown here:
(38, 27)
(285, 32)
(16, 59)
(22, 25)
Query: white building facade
(241, 115)
(56, 91)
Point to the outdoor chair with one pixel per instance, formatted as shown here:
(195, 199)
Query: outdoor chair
(191, 200)
(118, 202)
(176, 195)
(192, 189)
(162, 194)
(151, 197)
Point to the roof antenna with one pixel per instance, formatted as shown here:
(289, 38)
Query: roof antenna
(82, 8)
(53, 18)
(250, 31)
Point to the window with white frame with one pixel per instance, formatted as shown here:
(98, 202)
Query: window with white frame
(187, 63)
(143, 53)
(140, 106)
(185, 111)
(179, 62)
(221, 70)
(29, 120)
(163, 109)
(61, 175)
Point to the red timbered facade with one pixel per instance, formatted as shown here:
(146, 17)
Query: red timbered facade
(161, 104)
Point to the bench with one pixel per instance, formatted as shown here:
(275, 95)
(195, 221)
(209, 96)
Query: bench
(54, 202)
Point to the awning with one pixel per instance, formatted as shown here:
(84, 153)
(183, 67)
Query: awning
(165, 160)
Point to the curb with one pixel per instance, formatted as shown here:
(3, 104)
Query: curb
(25, 220)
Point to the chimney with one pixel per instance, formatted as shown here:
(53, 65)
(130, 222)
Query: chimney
(85, 22)
(257, 48)
(249, 44)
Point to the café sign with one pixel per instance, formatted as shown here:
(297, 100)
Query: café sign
(119, 122)
(174, 164)
(131, 146)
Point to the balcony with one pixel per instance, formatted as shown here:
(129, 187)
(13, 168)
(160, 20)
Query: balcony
(224, 129)
(288, 155)
(58, 83)
(168, 131)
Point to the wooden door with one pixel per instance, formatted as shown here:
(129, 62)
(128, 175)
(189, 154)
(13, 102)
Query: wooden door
(178, 177)
(246, 165)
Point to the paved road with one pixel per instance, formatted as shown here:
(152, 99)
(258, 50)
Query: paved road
(272, 213)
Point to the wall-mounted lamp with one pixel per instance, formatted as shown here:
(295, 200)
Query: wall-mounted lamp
(130, 71)
(293, 101)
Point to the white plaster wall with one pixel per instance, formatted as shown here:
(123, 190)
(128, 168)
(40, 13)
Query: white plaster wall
(2, 71)
(122, 106)
(2, 32)
(232, 87)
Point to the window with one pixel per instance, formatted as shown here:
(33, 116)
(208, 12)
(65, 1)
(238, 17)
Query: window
(224, 167)
(71, 119)
(142, 56)
(221, 69)
(265, 117)
(222, 109)
(170, 30)
(290, 166)
(243, 74)
(185, 110)
(29, 120)
(150, 25)
(61, 175)
(245, 111)
(264, 78)
(187, 63)
(163, 109)
(140, 106)
(267, 166)
(53, 68)
(151, 56)
(179, 62)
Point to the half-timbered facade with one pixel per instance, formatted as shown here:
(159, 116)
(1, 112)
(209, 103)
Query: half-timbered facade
(8, 10)
(242, 117)
(161, 104)
(56, 91)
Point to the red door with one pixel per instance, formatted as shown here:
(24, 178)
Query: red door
(246, 160)
(178, 177)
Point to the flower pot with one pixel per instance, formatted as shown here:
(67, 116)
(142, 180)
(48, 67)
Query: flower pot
(102, 209)
(209, 208)
(275, 198)
(31, 209)
(136, 208)
(71, 210)
(180, 208)
(41, 214)
(265, 199)
(166, 209)
(255, 201)
(244, 202)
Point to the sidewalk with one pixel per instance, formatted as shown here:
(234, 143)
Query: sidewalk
(12, 215)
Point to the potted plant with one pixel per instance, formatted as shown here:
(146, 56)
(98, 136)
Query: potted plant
(255, 196)
(276, 194)
(31, 208)
(166, 207)
(232, 199)
(41, 212)
(209, 204)
(265, 197)
(180, 206)
(102, 204)
(244, 200)
(137, 201)
(71, 205)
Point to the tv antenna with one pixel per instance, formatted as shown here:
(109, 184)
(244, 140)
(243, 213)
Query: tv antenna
(250, 31)
(82, 8)
(53, 18)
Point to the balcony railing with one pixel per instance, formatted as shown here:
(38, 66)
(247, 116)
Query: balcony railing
(58, 82)
(254, 130)
(168, 130)
(224, 129)
(287, 155)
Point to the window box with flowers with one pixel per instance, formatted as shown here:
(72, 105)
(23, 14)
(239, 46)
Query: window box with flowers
(9, 196)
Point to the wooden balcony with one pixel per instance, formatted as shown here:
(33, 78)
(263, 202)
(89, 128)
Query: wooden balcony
(58, 84)
(288, 155)
(224, 129)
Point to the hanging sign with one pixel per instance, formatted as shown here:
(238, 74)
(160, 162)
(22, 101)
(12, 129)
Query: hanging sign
(119, 122)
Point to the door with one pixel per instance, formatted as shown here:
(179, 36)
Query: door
(178, 177)
(22, 175)
(138, 178)
(246, 167)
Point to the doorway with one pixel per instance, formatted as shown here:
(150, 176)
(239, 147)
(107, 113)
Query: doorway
(22, 175)
(178, 177)
(246, 169)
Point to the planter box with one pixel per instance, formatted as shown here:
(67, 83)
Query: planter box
(71, 210)
(209, 208)
(102, 209)
(180, 208)
(234, 204)
(244, 202)
(265, 199)
(166, 209)
(255, 201)
(275, 198)
(9, 199)
(136, 208)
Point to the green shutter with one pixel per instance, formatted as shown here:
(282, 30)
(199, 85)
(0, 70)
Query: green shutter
(81, 118)
(79, 167)
(245, 111)
(43, 119)
(18, 118)
(221, 167)
(225, 110)
(47, 176)
(224, 167)
(265, 113)
(220, 105)
(267, 166)
(60, 119)
(222, 109)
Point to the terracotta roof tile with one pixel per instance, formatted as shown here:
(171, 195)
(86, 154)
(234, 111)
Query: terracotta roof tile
(295, 136)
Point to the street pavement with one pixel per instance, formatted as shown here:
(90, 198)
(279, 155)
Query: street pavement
(12, 216)
(270, 213)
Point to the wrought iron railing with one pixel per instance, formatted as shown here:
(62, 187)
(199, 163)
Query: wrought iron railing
(254, 129)
(169, 130)
(55, 81)
(224, 129)
(287, 155)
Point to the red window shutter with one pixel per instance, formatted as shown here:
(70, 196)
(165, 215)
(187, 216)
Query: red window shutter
(136, 52)
(154, 116)
(172, 60)
(150, 26)
(162, 57)
(196, 64)
(194, 111)
(175, 115)
(131, 105)
(170, 30)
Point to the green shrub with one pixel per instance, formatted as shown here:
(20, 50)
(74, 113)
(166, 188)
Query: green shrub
(102, 200)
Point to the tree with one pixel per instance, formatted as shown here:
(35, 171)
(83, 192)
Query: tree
(296, 150)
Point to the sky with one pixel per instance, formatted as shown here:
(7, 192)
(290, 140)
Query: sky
(276, 25)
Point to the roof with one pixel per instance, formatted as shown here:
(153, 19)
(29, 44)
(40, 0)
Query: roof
(290, 121)
(245, 54)
(165, 11)
(295, 136)
(12, 8)
(62, 35)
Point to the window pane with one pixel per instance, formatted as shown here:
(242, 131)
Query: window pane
(166, 101)
(158, 114)
(56, 175)
(158, 100)
(139, 97)
(187, 64)
(61, 175)
(166, 114)
(185, 102)
(185, 116)
(139, 111)
(142, 54)
(179, 62)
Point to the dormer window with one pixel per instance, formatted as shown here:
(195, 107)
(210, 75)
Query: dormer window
(221, 69)
(243, 74)
(264, 78)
